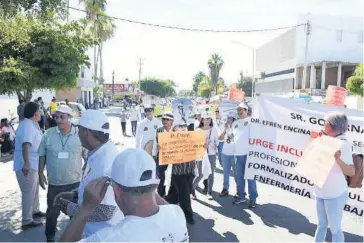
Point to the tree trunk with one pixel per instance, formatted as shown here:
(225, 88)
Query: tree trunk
(95, 63)
(101, 65)
(26, 95)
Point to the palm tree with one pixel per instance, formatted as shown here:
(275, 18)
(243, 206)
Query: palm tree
(101, 27)
(215, 64)
(197, 80)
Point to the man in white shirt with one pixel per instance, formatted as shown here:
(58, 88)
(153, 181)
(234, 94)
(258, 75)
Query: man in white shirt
(146, 130)
(220, 124)
(167, 120)
(148, 218)
(94, 131)
(134, 118)
(241, 134)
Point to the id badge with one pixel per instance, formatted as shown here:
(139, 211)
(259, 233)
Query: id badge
(63, 155)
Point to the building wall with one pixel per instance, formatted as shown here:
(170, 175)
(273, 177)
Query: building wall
(324, 44)
(72, 94)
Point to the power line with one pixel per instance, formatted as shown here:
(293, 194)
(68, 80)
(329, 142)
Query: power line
(190, 29)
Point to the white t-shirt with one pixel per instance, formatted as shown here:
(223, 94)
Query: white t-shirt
(336, 184)
(241, 136)
(212, 139)
(228, 148)
(99, 164)
(168, 225)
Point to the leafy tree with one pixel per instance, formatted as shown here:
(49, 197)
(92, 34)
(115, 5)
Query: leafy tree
(101, 27)
(245, 83)
(205, 88)
(35, 55)
(44, 8)
(186, 93)
(215, 64)
(197, 80)
(158, 87)
(355, 84)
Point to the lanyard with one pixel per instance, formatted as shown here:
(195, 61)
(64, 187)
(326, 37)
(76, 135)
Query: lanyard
(64, 144)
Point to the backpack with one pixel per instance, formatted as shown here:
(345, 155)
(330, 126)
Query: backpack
(356, 180)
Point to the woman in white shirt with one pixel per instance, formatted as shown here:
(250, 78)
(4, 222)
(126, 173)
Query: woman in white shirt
(228, 159)
(212, 141)
(332, 197)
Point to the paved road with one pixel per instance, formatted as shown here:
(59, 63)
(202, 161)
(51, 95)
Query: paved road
(280, 216)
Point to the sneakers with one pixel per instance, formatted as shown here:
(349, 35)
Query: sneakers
(252, 204)
(32, 224)
(209, 196)
(39, 215)
(239, 200)
(224, 193)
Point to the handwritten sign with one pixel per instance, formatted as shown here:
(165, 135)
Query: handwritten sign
(318, 158)
(180, 147)
(236, 94)
(335, 96)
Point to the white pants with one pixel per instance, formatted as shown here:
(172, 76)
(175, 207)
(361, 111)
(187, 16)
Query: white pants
(29, 186)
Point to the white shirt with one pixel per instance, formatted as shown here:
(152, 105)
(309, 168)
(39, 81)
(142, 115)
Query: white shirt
(241, 132)
(133, 115)
(168, 225)
(212, 140)
(220, 124)
(146, 131)
(336, 184)
(28, 131)
(196, 124)
(155, 144)
(10, 130)
(228, 148)
(99, 164)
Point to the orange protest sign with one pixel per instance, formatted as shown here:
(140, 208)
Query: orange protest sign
(236, 94)
(180, 147)
(335, 95)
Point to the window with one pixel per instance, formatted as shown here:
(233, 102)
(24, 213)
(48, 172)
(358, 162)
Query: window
(360, 37)
(82, 72)
(339, 36)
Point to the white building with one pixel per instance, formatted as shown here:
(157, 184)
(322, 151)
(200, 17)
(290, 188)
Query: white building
(334, 48)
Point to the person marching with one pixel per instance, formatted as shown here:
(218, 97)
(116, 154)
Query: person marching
(61, 151)
(181, 179)
(134, 118)
(94, 132)
(167, 120)
(220, 124)
(146, 130)
(241, 141)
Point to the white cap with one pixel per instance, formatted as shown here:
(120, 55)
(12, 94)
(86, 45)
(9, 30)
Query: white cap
(65, 109)
(243, 105)
(231, 114)
(95, 120)
(131, 165)
(206, 116)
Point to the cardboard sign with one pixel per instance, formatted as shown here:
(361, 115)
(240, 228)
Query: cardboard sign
(318, 158)
(236, 94)
(181, 147)
(335, 96)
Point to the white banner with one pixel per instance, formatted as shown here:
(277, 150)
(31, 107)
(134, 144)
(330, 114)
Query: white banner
(280, 131)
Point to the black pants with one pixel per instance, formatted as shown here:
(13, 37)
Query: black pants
(53, 212)
(191, 127)
(162, 177)
(134, 127)
(179, 192)
(123, 127)
(7, 146)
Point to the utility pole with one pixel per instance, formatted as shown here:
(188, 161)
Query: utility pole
(68, 10)
(308, 32)
(140, 69)
(113, 84)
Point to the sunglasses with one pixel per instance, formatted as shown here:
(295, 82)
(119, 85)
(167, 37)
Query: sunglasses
(148, 110)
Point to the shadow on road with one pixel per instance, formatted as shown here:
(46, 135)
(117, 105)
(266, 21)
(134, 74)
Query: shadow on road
(274, 215)
(203, 231)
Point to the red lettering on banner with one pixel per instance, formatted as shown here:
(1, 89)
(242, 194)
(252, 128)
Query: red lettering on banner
(262, 143)
(288, 150)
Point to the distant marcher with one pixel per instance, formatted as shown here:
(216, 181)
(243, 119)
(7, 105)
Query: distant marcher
(26, 163)
(20, 110)
(53, 106)
(123, 119)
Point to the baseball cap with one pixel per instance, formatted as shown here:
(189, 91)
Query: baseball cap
(244, 106)
(133, 168)
(231, 114)
(168, 116)
(95, 120)
(64, 109)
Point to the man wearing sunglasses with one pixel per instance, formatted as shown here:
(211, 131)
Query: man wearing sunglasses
(146, 130)
(61, 151)
(148, 218)
(167, 120)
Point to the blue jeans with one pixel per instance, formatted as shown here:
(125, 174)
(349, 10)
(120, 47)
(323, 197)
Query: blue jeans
(219, 150)
(330, 212)
(228, 163)
(240, 162)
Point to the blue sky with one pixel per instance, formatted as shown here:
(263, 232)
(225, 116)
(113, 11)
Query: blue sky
(179, 55)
